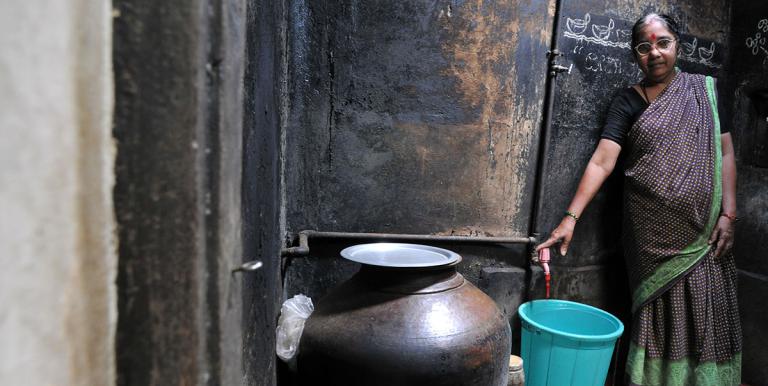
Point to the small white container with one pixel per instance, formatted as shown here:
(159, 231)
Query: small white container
(516, 376)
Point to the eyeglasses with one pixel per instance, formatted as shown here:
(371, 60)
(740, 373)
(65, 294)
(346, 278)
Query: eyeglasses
(644, 48)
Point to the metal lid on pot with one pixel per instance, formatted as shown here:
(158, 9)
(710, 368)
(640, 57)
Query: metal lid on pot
(400, 255)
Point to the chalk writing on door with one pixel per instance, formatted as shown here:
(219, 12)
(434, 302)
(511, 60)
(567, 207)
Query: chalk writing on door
(602, 34)
(758, 40)
(594, 32)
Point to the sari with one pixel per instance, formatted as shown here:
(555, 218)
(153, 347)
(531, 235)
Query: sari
(686, 328)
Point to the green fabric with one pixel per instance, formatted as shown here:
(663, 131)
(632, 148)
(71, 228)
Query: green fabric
(645, 371)
(693, 253)
(714, 215)
(667, 272)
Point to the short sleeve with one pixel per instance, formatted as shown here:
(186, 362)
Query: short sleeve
(722, 113)
(619, 119)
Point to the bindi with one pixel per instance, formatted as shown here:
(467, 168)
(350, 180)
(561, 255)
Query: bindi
(653, 37)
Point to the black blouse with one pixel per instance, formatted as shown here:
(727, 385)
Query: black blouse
(628, 105)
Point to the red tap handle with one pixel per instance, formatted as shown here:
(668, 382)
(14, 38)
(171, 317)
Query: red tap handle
(544, 255)
(544, 261)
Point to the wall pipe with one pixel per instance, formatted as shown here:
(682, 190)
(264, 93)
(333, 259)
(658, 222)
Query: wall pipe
(304, 236)
(542, 163)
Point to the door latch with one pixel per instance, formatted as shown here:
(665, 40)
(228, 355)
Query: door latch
(554, 67)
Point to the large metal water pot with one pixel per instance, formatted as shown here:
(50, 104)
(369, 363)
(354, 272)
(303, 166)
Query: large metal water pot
(406, 318)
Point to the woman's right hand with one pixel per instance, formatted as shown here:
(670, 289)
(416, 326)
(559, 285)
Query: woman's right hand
(563, 233)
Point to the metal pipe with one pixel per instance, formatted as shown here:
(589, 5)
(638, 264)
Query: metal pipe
(304, 236)
(542, 161)
(301, 250)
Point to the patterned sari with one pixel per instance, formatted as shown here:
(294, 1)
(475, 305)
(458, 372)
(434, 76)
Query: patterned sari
(686, 328)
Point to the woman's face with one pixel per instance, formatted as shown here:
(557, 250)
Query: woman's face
(658, 64)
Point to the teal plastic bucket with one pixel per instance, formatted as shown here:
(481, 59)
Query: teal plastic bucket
(566, 343)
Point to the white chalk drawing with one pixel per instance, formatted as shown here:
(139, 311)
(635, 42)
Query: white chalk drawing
(705, 54)
(690, 52)
(608, 35)
(602, 32)
(576, 29)
(757, 42)
(577, 26)
(688, 49)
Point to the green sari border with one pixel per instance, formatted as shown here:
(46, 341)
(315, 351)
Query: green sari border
(693, 253)
(642, 370)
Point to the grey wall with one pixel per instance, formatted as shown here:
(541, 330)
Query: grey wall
(748, 97)
(57, 232)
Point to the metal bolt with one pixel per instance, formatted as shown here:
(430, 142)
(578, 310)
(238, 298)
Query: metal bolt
(249, 266)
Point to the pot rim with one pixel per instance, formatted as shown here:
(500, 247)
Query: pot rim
(401, 255)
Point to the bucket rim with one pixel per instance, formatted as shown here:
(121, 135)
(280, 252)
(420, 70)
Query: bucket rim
(587, 338)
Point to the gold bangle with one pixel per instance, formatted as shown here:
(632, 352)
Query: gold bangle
(570, 214)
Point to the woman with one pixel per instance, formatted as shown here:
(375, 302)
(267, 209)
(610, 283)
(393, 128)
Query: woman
(679, 209)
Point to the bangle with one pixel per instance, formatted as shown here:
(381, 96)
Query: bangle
(731, 217)
(570, 214)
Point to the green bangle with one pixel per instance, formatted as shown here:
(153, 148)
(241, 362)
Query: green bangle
(575, 217)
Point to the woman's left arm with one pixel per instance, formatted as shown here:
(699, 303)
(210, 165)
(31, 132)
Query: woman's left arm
(722, 235)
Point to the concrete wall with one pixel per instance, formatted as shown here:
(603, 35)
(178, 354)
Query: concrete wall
(748, 98)
(57, 291)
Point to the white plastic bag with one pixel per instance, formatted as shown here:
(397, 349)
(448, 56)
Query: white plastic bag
(293, 314)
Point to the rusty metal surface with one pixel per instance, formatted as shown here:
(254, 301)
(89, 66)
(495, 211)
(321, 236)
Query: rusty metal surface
(414, 117)
(405, 327)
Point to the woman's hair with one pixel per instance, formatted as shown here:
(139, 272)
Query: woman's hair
(666, 20)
